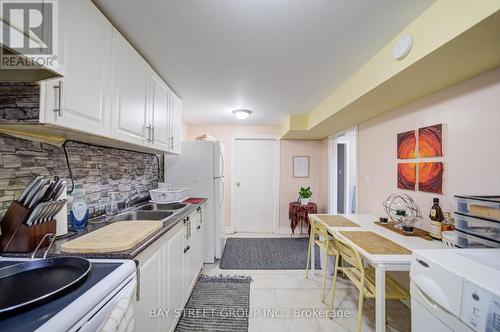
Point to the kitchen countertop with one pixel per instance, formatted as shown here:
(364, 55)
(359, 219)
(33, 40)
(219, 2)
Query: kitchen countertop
(126, 254)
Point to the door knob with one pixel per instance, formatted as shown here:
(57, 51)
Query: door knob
(237, 184)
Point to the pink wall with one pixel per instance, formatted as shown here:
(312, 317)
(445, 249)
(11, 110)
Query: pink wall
(225, 134)
(318, 175)
(470, 112)
(317, 150)
(185, 131)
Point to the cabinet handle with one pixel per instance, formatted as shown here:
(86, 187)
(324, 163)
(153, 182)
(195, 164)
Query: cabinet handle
(148, 133)
(171, 142)
(186, 249)
(152, 134)
(138, 289)
(59, 87)
(198, 227)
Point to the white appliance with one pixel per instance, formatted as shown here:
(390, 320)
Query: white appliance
(85, 307)
(200, 168)
(455, 290)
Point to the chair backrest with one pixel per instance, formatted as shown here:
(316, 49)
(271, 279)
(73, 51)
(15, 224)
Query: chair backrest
(350, 255)
(319, 228)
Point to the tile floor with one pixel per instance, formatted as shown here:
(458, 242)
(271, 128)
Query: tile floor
(284, 300)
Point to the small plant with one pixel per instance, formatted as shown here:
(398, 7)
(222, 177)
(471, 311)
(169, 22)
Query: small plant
(305, 192)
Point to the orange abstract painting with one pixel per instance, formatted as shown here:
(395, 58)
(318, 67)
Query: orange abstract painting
(430, 141)
(407, 142)
(407, 173)
(430, 177)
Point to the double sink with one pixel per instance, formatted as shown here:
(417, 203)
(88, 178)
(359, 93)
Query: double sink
(150, 211)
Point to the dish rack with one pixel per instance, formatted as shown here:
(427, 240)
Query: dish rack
(17, 236)
(168, 195)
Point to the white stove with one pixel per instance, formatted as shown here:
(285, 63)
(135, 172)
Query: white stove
(455, 290)
(83, 308)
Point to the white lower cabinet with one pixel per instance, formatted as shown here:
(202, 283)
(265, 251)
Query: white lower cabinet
(150, 294)
(168, 270)
(175, 276)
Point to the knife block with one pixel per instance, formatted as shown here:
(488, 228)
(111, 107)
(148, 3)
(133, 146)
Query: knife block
(19, 237)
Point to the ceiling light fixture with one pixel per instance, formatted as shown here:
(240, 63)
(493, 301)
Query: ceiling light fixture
(242, 114)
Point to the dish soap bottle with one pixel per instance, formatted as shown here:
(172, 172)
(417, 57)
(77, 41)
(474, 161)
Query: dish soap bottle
(437, 218)
(79, 213)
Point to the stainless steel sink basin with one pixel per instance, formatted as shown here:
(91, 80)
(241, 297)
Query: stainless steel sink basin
(142, 215)
(162, 207)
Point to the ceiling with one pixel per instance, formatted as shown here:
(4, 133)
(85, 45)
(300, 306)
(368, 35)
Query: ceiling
(273, 57)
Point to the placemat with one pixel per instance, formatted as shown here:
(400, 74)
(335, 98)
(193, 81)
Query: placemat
(375, 244)
(391, 225)
(335, 220)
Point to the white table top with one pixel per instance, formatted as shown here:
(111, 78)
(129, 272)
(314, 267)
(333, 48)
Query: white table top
(367, 223)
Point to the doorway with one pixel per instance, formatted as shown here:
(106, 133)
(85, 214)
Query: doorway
(343, 153)
(255, 185)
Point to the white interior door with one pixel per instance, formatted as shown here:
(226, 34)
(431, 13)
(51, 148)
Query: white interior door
(254, 181)
(343, 172)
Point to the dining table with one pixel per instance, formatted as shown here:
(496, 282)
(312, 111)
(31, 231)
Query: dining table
(394, 259)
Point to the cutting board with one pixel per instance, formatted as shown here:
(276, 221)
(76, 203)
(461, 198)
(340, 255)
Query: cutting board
(118, 236)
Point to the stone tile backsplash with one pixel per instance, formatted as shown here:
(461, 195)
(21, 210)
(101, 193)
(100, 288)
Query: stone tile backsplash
(98, 170)
(19, 103)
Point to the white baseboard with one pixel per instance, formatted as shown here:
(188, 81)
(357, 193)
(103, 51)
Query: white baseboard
(228, 230)
(288, 231)
(284, 230)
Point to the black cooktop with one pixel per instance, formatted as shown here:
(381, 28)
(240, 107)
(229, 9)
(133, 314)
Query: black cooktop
(32, 318)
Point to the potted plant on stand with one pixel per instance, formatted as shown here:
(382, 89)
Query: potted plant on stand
(304, 195)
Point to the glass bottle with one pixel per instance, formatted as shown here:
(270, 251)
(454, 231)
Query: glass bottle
(437, 217)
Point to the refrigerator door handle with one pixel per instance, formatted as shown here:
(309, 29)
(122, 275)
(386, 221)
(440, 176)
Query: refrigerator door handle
(222, 164)
(223, 191)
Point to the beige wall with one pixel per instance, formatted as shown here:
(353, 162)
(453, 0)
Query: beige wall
(185, 131)
(317, 150)
(225, 135)
(470, 112)
(317, 180)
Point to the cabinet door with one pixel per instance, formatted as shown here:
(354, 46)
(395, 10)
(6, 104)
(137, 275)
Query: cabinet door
(175, 124)
(160, 109)
(197, 240)
(174, 276)
(81, 100)
(129, 86)
(150, 291)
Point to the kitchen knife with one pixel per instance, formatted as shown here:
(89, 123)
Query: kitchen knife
(59, 190)
(48, 207)
(38, 196)
(54, 208)
(27, 189)
(50, 192)
(33, 191)
(34, 215)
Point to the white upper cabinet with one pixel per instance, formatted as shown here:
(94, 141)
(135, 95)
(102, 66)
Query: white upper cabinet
(108, 90)
(164, 117)
(175, 124)
(129, 92)
(81, 100)
(159, 113)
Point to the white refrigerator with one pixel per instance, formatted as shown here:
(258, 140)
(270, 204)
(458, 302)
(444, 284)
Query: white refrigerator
(200, 167)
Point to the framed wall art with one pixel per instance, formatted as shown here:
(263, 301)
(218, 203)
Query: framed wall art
(300, 166)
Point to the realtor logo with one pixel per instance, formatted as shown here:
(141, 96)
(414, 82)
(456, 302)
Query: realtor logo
(29, 34)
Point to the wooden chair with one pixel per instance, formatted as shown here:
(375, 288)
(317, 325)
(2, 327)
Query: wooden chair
(326, 243)
(363, 278)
